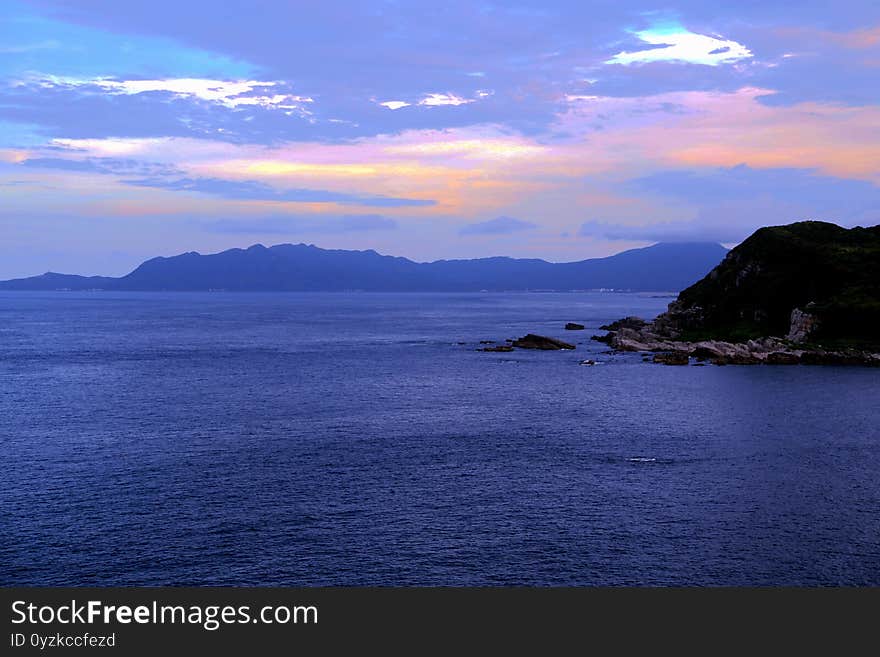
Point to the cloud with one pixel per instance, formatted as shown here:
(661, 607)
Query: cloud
(712, 129)
(60, 163)
(669, 231)
(530, 55)
(43, 43)
(435, 100)
(169, 177)
(728, 204)
(295, 224)
(213, 96)
(488, 147)
(230, 93)
(727, 223)
(497, 226)
(49, 44)
(671, 42)
(89, 110)
(19, 183)
(252, 190)
(104, 165)
(803, 186)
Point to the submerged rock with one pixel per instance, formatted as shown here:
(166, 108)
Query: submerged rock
(572, 326)
(533, 341)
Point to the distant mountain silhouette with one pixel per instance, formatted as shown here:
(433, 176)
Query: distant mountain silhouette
(301, 267)
(52, 281)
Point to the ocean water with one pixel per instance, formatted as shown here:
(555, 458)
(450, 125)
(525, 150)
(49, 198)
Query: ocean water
(349, 439)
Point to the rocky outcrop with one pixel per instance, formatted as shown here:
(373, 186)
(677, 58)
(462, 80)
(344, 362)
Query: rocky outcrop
(572, 326)
(811, 281)
(783, 358)
(530, 341)
(631, 322)
(815, 283)
(533, 341)
(803, 325)
(672, 358)
(770, 351)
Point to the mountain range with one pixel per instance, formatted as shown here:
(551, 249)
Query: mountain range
(301, 267)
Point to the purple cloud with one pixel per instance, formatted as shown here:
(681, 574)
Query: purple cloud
(497, 226)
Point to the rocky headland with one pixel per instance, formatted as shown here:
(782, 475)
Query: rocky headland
(805, 293)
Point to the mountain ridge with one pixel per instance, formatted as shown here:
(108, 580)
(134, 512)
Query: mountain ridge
(306, 267)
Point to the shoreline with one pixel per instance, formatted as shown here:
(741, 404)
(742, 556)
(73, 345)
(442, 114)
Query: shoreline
(632, 334)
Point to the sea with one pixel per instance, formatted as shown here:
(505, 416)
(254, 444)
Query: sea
(364, 439)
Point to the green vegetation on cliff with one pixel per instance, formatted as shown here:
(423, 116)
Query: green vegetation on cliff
(830, 273)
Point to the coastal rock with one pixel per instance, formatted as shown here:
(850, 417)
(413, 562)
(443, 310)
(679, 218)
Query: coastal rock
(707, 350)
(769, 350)
(572, 326)
(625, 344)
(533, 341)
(678, 319)
(627, 322)
(782, 358)
(671, 358)
(847, 357)
(803, 324)
(763, 289)
(822, 357)
(812, 282)
(736, 360)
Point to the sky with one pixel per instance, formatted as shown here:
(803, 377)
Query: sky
(558, 130)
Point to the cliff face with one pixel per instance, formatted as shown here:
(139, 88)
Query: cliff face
(809, 282)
